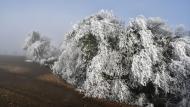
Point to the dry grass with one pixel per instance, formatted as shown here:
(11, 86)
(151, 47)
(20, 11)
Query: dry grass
(24, 84)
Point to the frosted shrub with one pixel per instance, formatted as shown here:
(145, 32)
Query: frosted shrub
(144, 63)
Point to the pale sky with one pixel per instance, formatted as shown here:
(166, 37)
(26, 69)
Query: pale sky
(53, 18)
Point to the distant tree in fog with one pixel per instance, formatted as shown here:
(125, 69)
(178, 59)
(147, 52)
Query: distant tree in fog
(180, 31)
(39, 49)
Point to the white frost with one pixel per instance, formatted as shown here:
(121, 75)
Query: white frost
(144, 63)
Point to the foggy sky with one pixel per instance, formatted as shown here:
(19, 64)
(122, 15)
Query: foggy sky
(53, 18)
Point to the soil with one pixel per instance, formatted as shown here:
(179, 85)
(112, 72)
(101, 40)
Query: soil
(26, 84)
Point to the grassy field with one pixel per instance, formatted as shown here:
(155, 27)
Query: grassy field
(24, 84)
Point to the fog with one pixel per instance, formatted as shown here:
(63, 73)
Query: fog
(54, 18)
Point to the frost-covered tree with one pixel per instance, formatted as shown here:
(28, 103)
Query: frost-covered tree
(145, 63)
(39, 49)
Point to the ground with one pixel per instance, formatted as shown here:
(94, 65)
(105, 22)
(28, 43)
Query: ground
(24, 84)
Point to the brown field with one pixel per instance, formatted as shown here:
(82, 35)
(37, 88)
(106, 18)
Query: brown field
(24, 84)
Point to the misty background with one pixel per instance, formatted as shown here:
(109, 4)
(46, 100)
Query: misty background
(53, 18)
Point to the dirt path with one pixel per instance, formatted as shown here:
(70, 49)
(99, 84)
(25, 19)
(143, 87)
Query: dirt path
(25, 84)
